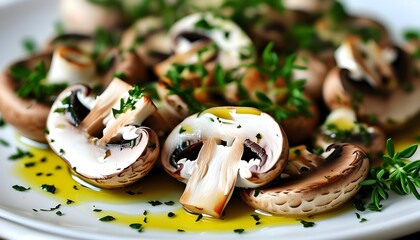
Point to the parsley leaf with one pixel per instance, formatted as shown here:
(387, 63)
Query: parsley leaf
(20, 188)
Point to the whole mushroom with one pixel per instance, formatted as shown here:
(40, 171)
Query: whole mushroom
(325, 188)
(220, 148)
(102, 140)
(376, 82)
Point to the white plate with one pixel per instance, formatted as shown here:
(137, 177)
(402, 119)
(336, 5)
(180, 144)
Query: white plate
(35, 18)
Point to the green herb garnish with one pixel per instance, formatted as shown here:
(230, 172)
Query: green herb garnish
(30, 46)
(107, 218)
(20, 154)
(306, 223)
(20, 188)
(239, 230)
(4, 142)
(397, 174)
(155, 203)
(49, 188)
(129, 104)
(59, 213)
(31, 82)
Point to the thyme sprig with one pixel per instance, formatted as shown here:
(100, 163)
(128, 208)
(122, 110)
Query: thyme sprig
(397, 174)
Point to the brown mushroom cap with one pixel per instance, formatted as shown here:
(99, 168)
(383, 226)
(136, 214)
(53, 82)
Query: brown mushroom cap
(27, 116)
(326, 188)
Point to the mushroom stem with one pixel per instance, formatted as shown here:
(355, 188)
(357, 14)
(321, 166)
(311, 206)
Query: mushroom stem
(143, 108)
(214, 177)
(72, 66)
(93, 123)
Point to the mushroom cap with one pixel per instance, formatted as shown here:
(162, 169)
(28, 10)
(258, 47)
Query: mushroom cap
(27, 116)
(326, 188)
(227, 124)
(108, 165)
(207, 26)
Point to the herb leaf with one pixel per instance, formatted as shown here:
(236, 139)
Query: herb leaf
(20, 188)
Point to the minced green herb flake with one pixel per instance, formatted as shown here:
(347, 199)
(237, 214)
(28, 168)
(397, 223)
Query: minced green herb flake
(155, 203)
(59, 213)
(20, 154)
(49, 188)
(306, 223)
(169, 203)
(97, 210)
(20, 188)
(239, 230)
(69, 201)
(4, 142)
(107, 218)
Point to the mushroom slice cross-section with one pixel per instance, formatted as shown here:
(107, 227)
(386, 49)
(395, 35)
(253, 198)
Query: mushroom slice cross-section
(102, 140)
(325, 188)
(220, 148)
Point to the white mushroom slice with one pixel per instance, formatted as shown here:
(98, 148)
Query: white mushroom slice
(221, 148)
(125, 153)
(367, 61)
(232, 42)
(326, 188)
(72, 66)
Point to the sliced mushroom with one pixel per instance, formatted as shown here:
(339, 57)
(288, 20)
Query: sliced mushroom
(342, 126)
(84, 16)
(220, 148)
(234, 47)
(149, 39)
(102, 140)
(301, 161)
(379, 86)
(326, 188)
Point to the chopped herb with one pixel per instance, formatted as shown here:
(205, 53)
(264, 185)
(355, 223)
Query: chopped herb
(136, 225)
(327, 177)
(256, 217)
(182, 130)
(31, 83)
(360, 218)
(20, 154)
(204, 24)
(62, 152)
(171, 214)
(4, 142)
(180, 230)
(44, 159)
(145, 219)
(120, 75)
(200, 216)
(69, 201)
(239, 230)
(170, 203)
(58, 167)
(75, 187)
(59, 213)
(97, 210)
(51, 209)
(155, 203)
(145, 213)
(29, 45)
(130, 193)
(39, 174)
(29, 164)
(20, 188)
(49, 188)
(107, 218)
(2, 122)
(256, 192)
(134, 95)
(306, 223)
